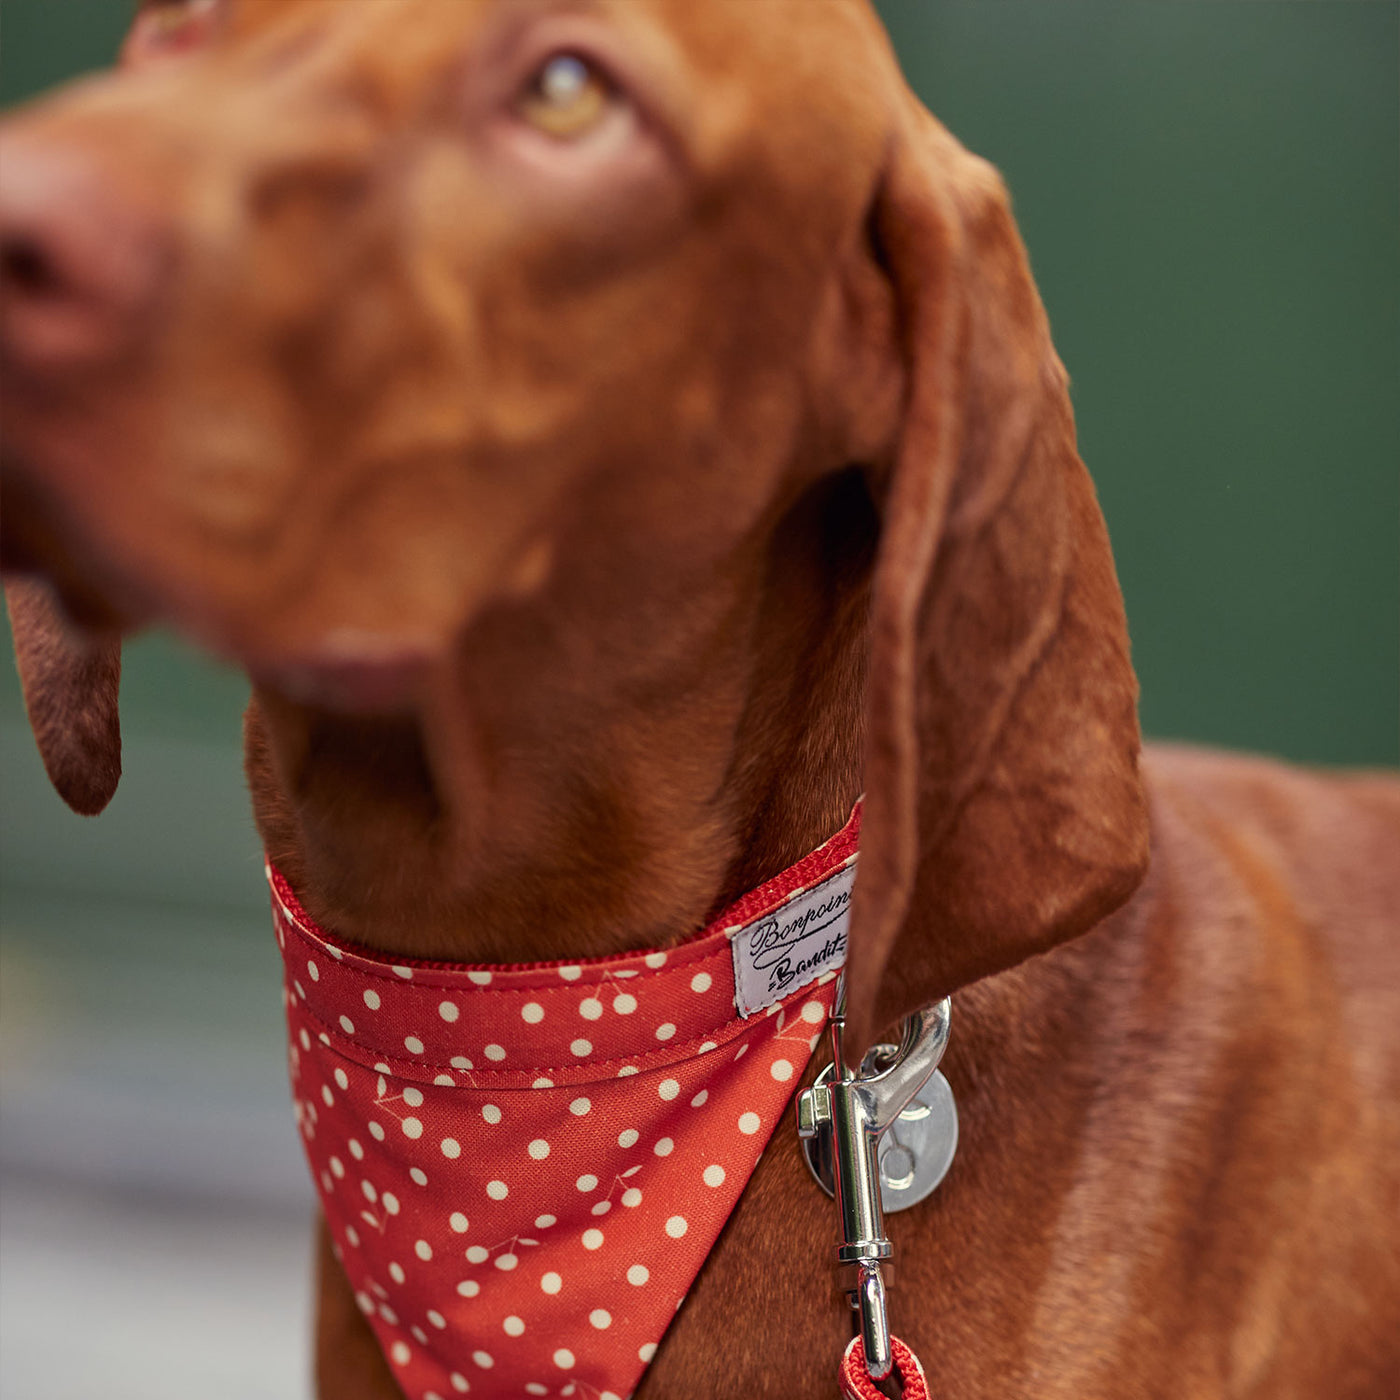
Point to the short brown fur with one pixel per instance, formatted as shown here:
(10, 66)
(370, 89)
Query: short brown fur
(593, 546)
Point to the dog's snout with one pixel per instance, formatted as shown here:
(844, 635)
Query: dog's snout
(80, 263)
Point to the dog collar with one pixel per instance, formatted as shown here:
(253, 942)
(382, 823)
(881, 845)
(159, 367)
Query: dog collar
(523, 1167)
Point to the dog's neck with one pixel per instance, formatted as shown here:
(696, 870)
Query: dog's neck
(532, 819)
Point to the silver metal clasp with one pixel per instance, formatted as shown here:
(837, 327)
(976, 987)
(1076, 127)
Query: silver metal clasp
(843, 1121)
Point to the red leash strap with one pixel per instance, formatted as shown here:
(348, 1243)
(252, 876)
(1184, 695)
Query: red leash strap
(855, 1379)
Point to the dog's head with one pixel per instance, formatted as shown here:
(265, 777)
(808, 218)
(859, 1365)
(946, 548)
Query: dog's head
(330, 327)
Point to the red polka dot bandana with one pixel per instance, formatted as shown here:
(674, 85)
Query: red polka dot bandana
(523, 1167)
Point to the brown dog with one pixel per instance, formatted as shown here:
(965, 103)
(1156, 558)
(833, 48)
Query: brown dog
(602, 492)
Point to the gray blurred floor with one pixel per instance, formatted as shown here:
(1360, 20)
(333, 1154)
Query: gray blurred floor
(154, 1209)
(111, 1295)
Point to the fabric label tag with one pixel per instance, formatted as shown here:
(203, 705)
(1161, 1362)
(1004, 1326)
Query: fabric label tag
(785, 949)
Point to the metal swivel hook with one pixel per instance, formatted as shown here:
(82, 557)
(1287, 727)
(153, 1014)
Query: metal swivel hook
(840, 1119)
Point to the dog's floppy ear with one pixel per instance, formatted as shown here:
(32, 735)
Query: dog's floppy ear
(1003, 810)
(70, 691)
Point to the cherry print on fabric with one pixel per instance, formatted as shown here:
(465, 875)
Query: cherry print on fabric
(524, 1167)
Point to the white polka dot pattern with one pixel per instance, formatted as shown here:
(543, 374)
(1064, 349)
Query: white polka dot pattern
(524, 1167)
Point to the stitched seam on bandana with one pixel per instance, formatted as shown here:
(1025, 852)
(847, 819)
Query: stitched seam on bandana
(525, 1061)
(580, 1072)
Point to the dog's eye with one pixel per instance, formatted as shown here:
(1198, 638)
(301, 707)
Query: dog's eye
(566, 97)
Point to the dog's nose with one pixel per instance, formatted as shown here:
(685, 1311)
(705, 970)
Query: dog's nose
(79, 262)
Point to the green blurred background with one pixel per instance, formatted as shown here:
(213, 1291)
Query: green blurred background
(1211, 196)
